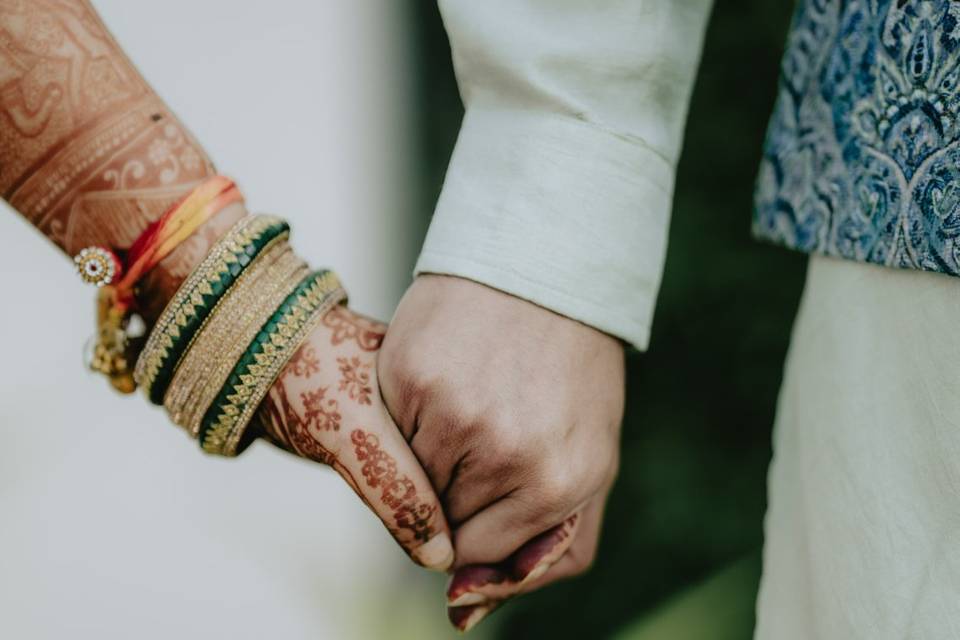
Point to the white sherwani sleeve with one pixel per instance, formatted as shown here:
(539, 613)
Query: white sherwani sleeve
(560, 187)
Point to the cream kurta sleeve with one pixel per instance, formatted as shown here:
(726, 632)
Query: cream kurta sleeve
(560, 186)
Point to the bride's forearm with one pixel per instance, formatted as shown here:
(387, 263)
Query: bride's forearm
(89, 154)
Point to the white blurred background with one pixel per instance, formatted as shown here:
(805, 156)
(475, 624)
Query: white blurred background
(112, 524)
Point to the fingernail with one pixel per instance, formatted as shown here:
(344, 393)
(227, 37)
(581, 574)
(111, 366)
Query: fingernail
(436, 553)
(466, 599)
(467, 579)
(536, 554)
(476, 618)
(466, 618)
(538, 571)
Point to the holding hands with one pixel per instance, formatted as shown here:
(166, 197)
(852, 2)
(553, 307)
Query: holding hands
(507, 428)
(514, 413)
(481, 429)
(497, 416)
(326, 407)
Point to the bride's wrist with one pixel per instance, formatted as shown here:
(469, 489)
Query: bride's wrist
(159, 286)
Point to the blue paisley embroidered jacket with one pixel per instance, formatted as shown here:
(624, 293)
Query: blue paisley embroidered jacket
(862, 157)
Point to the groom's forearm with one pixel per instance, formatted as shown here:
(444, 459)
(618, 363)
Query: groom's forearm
(89, 153)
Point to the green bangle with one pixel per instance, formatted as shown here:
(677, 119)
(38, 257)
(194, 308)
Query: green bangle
(197, 297)
(226, 420)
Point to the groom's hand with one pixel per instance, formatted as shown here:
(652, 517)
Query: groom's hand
(514, 413)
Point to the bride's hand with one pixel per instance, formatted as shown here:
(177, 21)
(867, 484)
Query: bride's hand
(326, 406)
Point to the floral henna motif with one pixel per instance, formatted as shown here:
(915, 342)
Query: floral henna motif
(321, 412)
(282, 422)
(396, 491)
(416, 518)
(299, 434)
(349, 326)
(355, 379)
(289, 431)
(304, 362)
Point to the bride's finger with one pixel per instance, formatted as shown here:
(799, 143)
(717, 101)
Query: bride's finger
(467, 617)
(326, 406)
(482, 584)
(476, 591)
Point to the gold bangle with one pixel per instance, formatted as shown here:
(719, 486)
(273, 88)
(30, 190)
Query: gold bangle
(332, 299)
(227, 350)
(226, 420)
(224, 312)
(231, 326)
(191, 304)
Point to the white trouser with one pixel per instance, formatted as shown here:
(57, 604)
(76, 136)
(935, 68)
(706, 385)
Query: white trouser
(863, 528)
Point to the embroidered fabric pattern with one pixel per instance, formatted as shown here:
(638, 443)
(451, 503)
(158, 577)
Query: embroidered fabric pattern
(862, 157)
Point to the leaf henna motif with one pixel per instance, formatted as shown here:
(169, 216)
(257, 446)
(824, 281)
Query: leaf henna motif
(304, 362)
(285, 426)
(321, 412)
(396, 490)
(348, 326)
(355, 379)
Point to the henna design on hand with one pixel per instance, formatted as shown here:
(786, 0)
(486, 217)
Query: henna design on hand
(355, 379)
(524, 565)
(304, 362)
(397, 491)
(476, 590)
(347, 325)
(319, 411)
(287, 430)
(305, 417)
(281, 422)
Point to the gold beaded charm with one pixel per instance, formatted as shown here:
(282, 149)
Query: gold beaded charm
(114, 351)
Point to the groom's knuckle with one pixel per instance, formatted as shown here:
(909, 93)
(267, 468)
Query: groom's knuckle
(461, 410)
(495, 452)
(417, 379)
(557, 488)
(501, 422)
(507, 442)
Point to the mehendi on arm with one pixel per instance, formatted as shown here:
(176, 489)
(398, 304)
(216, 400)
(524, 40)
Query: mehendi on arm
(89, 154)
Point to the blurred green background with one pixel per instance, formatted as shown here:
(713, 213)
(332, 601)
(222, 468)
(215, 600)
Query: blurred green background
(679, 557)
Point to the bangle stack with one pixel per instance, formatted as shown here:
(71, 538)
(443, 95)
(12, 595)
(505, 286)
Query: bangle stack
(226, 420)
(196, 299)
(231, 327)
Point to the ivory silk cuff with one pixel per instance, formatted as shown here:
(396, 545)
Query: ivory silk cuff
(560, 187)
